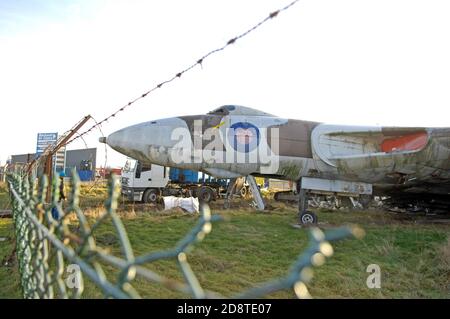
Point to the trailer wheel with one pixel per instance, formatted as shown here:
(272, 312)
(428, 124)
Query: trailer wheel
(150, 196)
(243, 191)
(308, 218)
(205, 195)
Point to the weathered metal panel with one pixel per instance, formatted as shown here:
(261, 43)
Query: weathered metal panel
(336, 186)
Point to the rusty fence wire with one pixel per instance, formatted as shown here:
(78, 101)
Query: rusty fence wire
(47, 244)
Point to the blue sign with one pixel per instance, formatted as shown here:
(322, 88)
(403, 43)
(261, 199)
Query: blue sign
(44, 140)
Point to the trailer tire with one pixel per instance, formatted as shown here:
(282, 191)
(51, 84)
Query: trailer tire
(150, 196)
(205, 195)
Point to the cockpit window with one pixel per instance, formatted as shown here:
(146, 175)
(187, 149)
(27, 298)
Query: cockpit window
(219, 110)
(238, 110)
(223, 110)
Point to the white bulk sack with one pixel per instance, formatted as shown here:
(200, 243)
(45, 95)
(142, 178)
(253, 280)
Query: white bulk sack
(189, 204)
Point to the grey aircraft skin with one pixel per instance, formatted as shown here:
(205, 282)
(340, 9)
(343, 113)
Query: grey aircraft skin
(397, 161)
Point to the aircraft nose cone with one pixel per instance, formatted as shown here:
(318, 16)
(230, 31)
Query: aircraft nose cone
(149, 141)
(119, 141)
(116, 138)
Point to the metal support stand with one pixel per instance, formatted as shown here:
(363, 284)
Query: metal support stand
(303, 201)
(255, 192)
(230, 191)
(231, 188)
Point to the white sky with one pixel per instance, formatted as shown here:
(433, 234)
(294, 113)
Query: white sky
(371, 62)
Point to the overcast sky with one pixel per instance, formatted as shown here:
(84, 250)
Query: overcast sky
(374, 62)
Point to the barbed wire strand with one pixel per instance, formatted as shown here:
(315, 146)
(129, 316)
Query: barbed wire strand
(84, 141)
(199, 62)
(106, 148)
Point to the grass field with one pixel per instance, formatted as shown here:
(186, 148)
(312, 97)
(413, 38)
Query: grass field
(249, 248)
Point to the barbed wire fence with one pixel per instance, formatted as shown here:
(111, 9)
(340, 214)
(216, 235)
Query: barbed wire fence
(46, 246)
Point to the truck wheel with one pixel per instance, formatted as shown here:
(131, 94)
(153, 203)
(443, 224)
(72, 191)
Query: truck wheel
(308, 218)
(150, 196)
(205, 195)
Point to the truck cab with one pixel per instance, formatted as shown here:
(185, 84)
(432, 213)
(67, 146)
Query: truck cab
(146, 182)
(143, 182)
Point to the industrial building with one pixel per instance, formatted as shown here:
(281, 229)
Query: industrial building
(84, 160)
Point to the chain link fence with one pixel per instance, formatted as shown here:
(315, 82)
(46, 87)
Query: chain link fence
(47, 243)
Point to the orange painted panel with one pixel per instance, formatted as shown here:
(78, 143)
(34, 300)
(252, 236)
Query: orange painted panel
(410, 142)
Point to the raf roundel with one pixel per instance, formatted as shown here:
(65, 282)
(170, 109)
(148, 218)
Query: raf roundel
(243, 136)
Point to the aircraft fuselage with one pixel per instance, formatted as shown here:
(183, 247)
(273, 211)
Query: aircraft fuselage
(237, 141)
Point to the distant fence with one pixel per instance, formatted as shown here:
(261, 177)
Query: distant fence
(47, 246)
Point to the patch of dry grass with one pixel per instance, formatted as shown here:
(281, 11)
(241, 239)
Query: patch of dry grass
(252, 247)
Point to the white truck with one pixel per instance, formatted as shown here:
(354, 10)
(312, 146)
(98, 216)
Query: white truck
(142, 182)
(145, 183)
